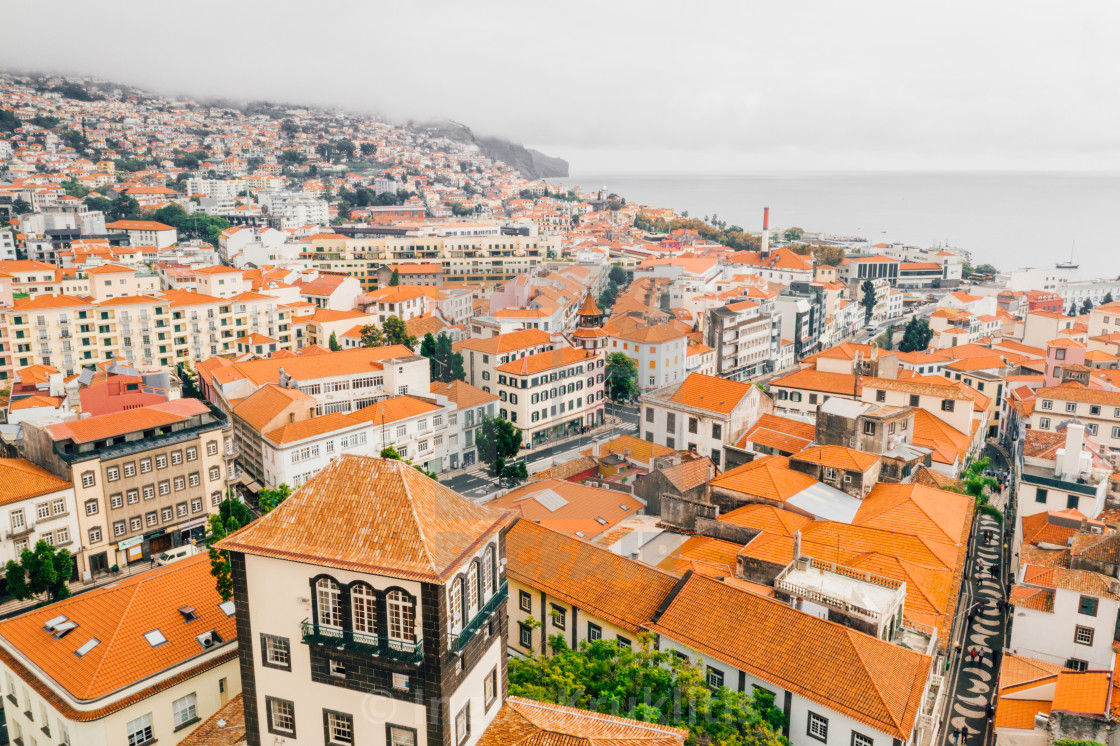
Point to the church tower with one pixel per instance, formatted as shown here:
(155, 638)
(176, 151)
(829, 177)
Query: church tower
(589, 335)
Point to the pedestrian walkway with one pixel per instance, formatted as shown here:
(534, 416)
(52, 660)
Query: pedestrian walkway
(985, 633)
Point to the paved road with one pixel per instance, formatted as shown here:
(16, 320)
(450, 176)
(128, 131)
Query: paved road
(476, 484)
(974, 679)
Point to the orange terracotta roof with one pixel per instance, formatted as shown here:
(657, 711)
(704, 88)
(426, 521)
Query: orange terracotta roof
(393, 409)
(617, 589)
(109, 425)
(781, 433)
(118, 616)
(838, 457)
(810, 379)
(463, 394)
(568, 507)
(543, 361)
(310, 428)
(336, 519)
(769, 477)
(508, 342)
(260, 407)
(710, 393)
(715, 558)
(869, 680)
(524, 722)
(20, 479)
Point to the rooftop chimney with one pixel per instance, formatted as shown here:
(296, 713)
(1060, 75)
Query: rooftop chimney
(796, 546)
(1069, 460)
(765, 248)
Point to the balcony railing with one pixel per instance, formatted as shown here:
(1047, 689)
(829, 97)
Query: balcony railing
(360, 642)
(459, 641)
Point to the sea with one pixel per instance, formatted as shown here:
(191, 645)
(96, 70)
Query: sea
(1009, 220)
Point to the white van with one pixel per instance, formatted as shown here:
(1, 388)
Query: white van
(176, 554)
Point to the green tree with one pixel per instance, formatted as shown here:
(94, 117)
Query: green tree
(651, 686)
(987, 269)
(975, 482)
(888, 338)
(270, 499)
(9, 122)
(868, 300)
(40, 573)
(390, 452)
(917, 335)
(428, 350)
(497, 441)
(100, 204)
(396, 333)
(395, 278)
(75, 140)
(618, 276)
(232, 515)
(74, 189)
(369, 149)
(372, 336)
(622, 377)
(1086, 306)
(21, 206)
(514, 474)
(292, 158)
(793, 234)
(1105, 300)
(333, 343)
(123, 208)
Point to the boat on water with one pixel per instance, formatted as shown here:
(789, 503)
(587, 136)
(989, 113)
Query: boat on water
(1072, 263)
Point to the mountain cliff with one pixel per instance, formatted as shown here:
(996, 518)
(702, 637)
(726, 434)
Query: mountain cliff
(531, 164)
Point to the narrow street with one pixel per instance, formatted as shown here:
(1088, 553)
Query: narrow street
(982, 625)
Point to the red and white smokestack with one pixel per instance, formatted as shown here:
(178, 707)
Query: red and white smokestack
(765, 247)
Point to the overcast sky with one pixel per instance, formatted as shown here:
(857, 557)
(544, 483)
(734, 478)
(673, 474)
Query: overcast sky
(644, 86)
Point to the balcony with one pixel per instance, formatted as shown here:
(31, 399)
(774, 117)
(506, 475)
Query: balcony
(360, 642)
(459, 641)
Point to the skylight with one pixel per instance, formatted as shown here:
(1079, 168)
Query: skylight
(50, 624)
(601, 521)
(155, 638)
(64, 628)
(624, 507)
(188, 613)
(228, 607)
(87, 646)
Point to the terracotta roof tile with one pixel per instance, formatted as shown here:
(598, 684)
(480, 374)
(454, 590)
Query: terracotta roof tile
(568, 507)
(615, 588)
(372, 515)
(523, 722)
(781, 433)
(862, 677)
(260, 407)
(710, 393)
(838, 457)
(810, 379)
(20, 479)
(119, 616)
(549, 360)
(109, 425)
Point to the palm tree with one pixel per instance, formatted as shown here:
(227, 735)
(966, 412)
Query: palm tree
(976, 483)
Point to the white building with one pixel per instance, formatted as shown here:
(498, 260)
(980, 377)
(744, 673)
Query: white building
(702, 414)
(39, 507)
(145, 660)
(419, 611)
(659, 351)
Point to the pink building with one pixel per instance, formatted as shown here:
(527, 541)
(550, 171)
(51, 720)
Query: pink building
(1065, 361)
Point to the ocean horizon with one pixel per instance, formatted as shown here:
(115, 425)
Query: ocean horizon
(1008, 219)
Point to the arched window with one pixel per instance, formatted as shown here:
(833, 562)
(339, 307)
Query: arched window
(327, 595)
(488, 570)
(472, 589)
(402, 619)
(455, 598)
(363, 608)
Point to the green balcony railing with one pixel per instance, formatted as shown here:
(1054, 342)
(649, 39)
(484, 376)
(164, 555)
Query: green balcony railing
(360, 642)
(459, 641)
